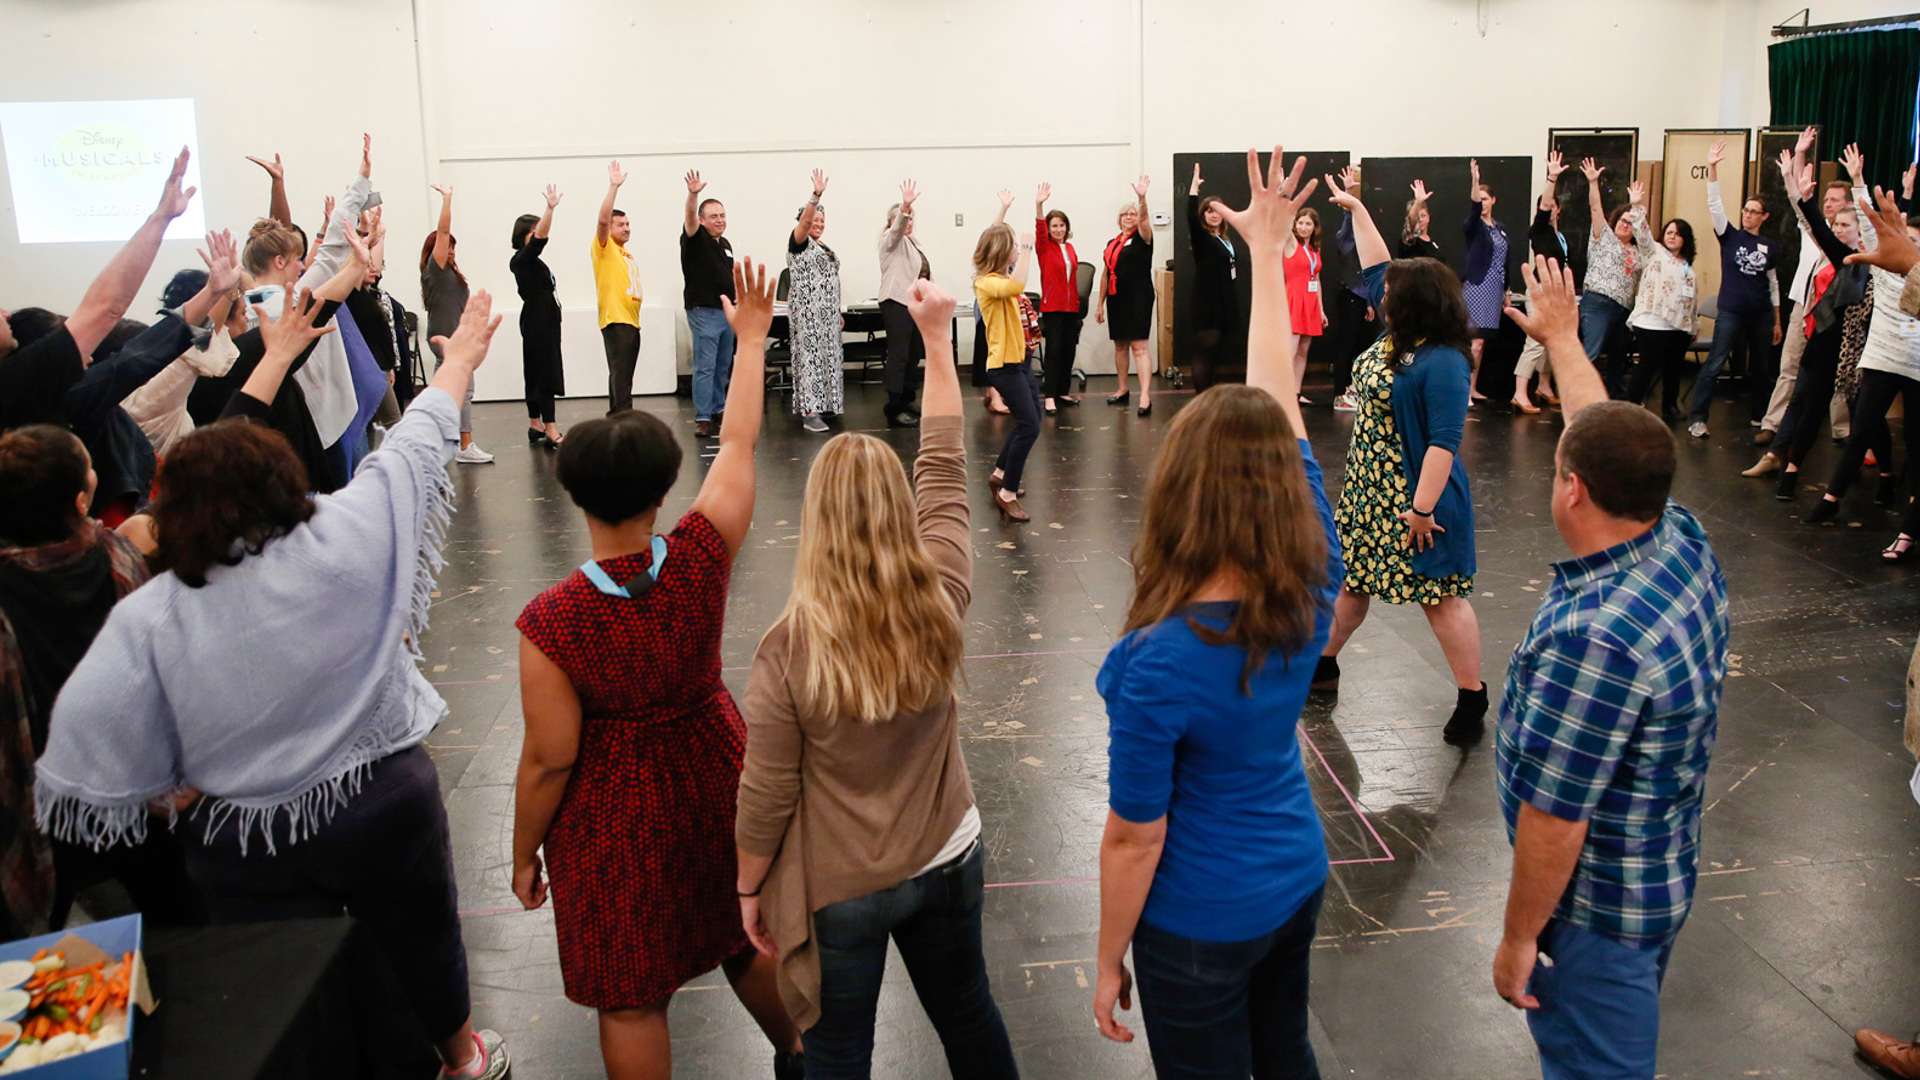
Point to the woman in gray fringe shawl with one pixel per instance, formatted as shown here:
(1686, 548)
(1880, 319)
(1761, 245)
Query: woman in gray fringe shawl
(263, 686)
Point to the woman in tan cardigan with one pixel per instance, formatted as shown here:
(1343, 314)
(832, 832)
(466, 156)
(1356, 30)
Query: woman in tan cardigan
(856, 818)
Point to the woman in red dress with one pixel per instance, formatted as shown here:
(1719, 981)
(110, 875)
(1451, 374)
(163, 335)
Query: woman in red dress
(630, 769)
(1302, 253)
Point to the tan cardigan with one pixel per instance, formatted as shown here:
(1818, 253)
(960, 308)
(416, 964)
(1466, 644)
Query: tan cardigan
(846, 808)
(901, 260)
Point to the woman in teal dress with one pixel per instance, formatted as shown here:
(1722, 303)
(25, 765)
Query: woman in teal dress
(1406, 514)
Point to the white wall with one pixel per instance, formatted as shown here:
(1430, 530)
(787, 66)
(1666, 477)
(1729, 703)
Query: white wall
(506, 96)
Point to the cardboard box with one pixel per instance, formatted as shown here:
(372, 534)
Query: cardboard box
(114, 938)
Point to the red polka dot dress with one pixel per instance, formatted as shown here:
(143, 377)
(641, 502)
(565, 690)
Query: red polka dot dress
(641, 854)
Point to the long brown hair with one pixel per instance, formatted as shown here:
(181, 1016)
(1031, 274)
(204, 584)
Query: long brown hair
(1308, 212)
(1425, 305)
(882, 636)
(1229, 492)
(453, 262)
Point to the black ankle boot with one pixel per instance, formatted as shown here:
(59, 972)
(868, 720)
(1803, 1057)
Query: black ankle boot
(789, 1067)
(1469, 721)
(1789, 486)
(1326, 675)
(1823, 511)
(1887, 491)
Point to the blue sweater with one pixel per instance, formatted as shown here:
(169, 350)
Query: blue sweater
(1430, 409)
(1244, 845)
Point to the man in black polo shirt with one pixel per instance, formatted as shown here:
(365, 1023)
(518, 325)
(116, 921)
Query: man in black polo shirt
(706, 262)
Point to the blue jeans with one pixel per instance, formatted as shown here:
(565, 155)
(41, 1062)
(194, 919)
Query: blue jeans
(712, 360)
(1021, 391)
(1756, 329)
(1599, 1014)
(1228, 1009)
(1603, 328)
(934, 919)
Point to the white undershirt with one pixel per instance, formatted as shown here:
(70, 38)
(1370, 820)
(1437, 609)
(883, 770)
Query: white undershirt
(957, 844)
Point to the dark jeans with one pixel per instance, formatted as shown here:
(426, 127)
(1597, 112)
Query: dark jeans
(1801, 423)
(1877, 391)
(154, 873)
(383, 858)
(1061, 329)
(1755, 329)
(1603, 332)
(1224, 1010)
(1021, 391)
(905, 349)
(623, 352)
(1352, 333)
(934, 920)
(1661, 354)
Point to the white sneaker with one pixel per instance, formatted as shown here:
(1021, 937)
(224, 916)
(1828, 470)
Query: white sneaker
(1697, 429)
(492, 1062)
(473, 455)
(1345, 403)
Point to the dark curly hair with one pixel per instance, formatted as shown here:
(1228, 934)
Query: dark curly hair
(224, 493)
(1688, 249)
(1425, 305)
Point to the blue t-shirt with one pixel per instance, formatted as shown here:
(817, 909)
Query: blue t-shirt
(1745, 259)
(1244, 845)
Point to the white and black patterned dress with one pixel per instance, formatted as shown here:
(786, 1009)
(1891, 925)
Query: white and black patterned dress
(813, 318)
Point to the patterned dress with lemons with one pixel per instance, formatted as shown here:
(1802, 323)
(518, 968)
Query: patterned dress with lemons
(1374, 495)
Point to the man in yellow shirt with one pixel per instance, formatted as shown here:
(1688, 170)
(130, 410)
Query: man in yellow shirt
(617, 281)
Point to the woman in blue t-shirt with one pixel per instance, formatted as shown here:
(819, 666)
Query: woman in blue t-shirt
(1214, 860)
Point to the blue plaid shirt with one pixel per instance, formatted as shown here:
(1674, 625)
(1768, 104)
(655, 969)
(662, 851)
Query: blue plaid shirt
(1609, 717)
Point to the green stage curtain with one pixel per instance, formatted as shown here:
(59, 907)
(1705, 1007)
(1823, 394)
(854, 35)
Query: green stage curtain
(1859, 86)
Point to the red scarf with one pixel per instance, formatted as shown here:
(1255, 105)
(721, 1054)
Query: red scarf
(1113, 260)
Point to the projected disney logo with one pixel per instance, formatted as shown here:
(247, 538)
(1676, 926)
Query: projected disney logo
(104, 154)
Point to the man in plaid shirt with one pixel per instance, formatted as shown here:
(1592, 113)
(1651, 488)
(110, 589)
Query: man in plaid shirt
(1606, 728)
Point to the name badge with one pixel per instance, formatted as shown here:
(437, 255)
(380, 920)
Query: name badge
(1314, 285)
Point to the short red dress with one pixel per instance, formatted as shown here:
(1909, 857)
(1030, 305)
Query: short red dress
(641, 853)
(1305, 306)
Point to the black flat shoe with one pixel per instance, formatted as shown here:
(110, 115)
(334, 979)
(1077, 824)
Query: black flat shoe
(1823, 511)
(535, 437)
(1052, 409)
(1469, 721)
(1899, 550)
(1068, 402)
(1120, 398)
(1146, 410)
(1788, 487)
(1326, 675)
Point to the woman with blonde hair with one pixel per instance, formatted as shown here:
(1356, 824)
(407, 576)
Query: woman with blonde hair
(1126, 278)
(997, 287)
(856, 819)
(1214, 860)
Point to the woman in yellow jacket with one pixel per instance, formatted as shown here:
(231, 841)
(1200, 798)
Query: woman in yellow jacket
(1000, 271)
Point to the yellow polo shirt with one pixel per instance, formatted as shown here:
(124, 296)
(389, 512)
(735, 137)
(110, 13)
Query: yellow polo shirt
(617, 281)
(997, 296)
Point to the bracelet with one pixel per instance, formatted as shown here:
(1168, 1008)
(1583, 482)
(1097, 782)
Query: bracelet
(750, 895)
(1417, 512)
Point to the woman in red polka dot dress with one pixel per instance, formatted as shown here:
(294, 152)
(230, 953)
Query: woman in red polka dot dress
(631, 764)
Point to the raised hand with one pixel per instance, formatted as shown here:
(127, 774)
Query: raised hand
(1717, 153)
(552, 196)
(1194, 187)
(1856, 164)
(1591, 169)
(327, 213)
(1006, 198)
(1268, 218)
(1907, 178)
(1805, 142)
(1420, 192)
(908, 192)
(1790, 175)
(1554, 312)
(615, 174)
(1043, 193)
(752, 314)
(1349, 180)
(695, 185)
(366, 155)
(1344, 197)
(1140, 185)
(274, 168)
(931, 307)
(1636, 194)
(819, 183)
(173, 201)
(374, 223)
(1556, 164)
(288, 335)
(468, 345)
(361, 252)
(1896, 253)
(223, 262)
(1473, 168)
(445, 190)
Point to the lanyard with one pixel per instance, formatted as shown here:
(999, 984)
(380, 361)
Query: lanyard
(1313, 263)
(636, 588)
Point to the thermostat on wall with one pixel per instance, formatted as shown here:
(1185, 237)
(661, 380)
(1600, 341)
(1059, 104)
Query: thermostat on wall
(1162, 219)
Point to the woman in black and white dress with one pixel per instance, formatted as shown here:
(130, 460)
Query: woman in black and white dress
(813, 316)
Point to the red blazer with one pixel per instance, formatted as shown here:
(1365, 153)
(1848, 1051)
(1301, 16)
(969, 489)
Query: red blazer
(1059, 271)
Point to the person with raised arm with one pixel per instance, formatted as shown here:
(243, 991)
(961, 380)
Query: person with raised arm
(630, 768)
(334, 396)
(1665, 318)
(857, 821)
(1606, 726)
(706, 265)
(1837, 194)
(278, 208)
(1416, 233)
(541, 371)
(443, 292)
(1213, 864)
(1485, 281)
(616, 282)
(814, 316)
(1127, 280)
(1061, 316)
(34, 380)
(902, 263)
(1000, 279)
(1357, 324)
(1889, 368)
(1543, 238)
(1749, 302)
(289, 734)
(1406, 511)
(1215, 303)
(1618, 251)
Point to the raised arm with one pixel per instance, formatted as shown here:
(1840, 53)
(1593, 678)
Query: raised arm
(805, 224)
(1800, 189)
(1556, 164)
(897, 231)
(1592, 171)
(112, 293)
(223, 277)
(726, 496)
(1716, 206)
(333, 250)
(1265, 225)
(443, 234)
(695, 186)
(615, 177)
(277, 206)
(1145, 228)
(1041, 237)
(1637, 213)
(545, 224)
(316, 307)
(1369, 247)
